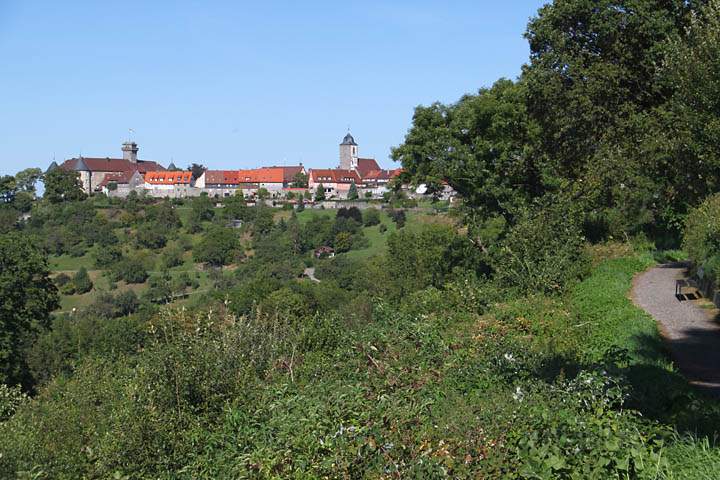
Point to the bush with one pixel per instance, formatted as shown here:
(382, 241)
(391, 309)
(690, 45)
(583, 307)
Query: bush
(82, 281)
(371, 217)
(105, 257)
(353, 213)
(62, 279)
(172, 256)
(543, 252)
(701, 239)
(397, 216)
(11, 398)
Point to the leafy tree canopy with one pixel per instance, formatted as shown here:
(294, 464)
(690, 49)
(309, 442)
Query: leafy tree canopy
(63, 185)
(27, 296)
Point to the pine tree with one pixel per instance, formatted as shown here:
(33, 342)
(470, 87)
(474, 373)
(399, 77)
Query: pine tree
(353, 192)
(320, 193)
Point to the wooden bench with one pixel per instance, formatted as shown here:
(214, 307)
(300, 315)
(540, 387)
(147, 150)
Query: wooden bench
(686, 283)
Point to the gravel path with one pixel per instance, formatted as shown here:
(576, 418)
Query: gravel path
(690, 331)
(310, 273)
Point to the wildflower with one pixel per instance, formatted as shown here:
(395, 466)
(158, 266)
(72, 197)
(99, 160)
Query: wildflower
(518, 395)
(509, 357)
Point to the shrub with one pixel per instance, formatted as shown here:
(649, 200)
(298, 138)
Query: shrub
(397, 216)
(172, 256)
(82, 281)
(353, 213)
(107, 256)
(701, 239)
(62, 279)
(371, 217)
(11, 398)
(543, 252)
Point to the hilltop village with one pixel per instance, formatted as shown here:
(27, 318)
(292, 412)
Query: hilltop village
(354, 177)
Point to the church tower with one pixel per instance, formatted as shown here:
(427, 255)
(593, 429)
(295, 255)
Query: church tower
(348, 153)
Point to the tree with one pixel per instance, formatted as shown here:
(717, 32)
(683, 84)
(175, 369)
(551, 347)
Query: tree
(172, 256)
(343, 242)
(163, 216)
(201, 210)
(8, 188)
(263, 219)
(417, 257)
(197, 170)
(26, 179)
(149, 236)
(27, 296)
(262, 193)
(63, 185)
(353, 213)
(130, 269)
(593, 65)
(371, 217)
(320, 193)
(217, 247)
(300, 180)
(685, 141)
(353, 192)
(480, 146)
(544, 251)
(82, 281)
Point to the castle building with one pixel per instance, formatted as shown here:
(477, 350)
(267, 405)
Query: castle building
(93, 170)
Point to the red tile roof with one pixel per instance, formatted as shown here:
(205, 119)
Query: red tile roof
(289, 171)
(366, 165)
(168, 177)
(376, 175)
(221, 177)
(335, 175)
(112, 165)
(256, 175)
(262, 175)
(117, 177)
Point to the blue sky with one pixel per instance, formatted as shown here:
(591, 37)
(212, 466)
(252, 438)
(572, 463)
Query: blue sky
(240, 84)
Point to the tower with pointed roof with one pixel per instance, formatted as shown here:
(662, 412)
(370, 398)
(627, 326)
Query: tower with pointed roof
(348, 153)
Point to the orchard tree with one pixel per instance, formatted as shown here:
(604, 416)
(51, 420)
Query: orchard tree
(217, 247)
(27, 296)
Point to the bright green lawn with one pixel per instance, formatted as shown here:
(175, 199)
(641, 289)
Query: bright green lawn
(378, 241)
(68, 263)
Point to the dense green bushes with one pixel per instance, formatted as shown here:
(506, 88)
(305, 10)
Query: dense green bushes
(701, 240)
(543, 252)
(453, 387)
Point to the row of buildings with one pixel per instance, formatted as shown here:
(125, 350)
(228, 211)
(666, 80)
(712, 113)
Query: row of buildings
(117, 177)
